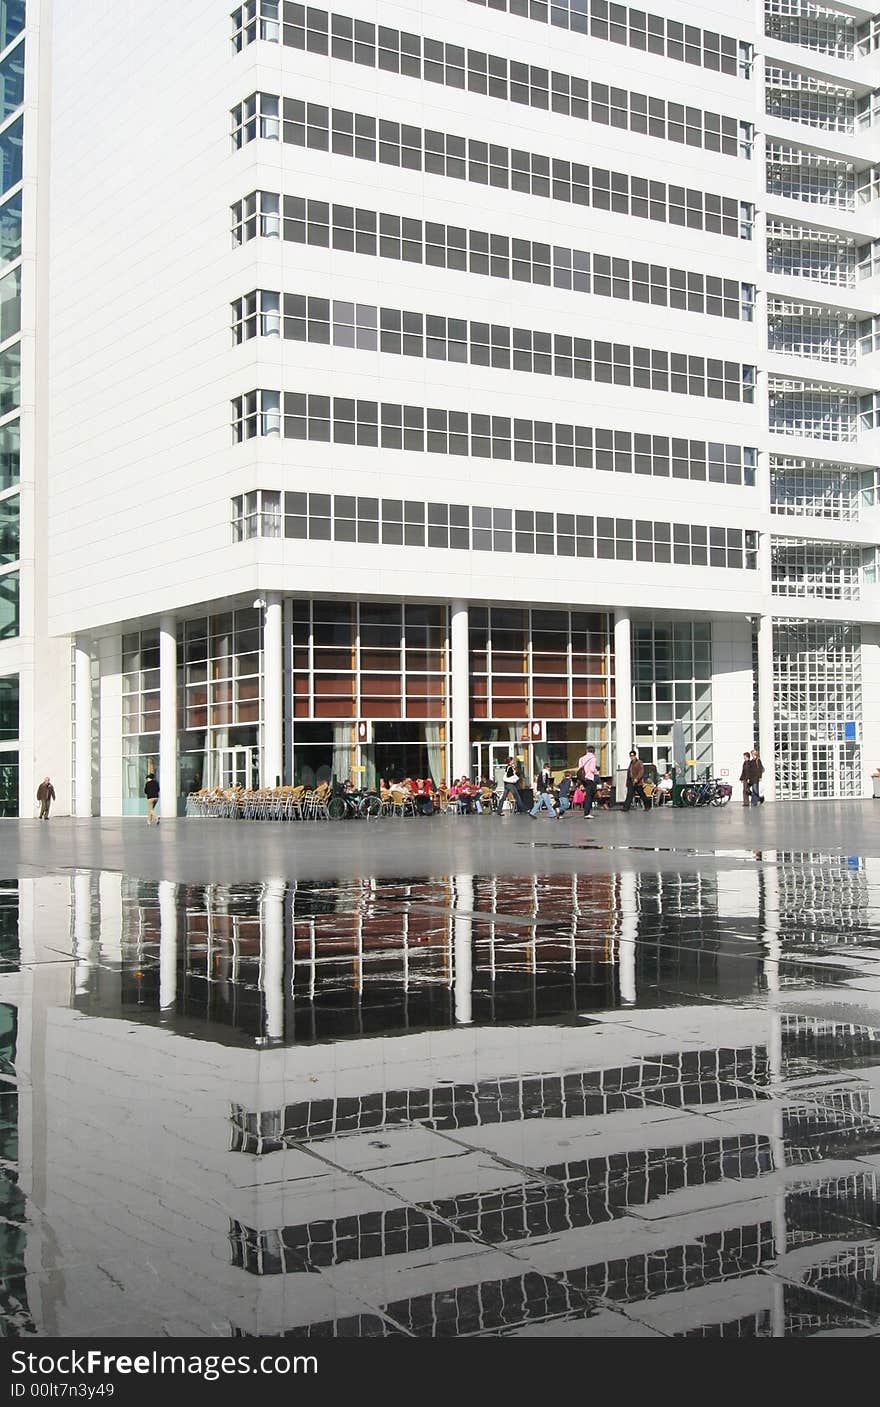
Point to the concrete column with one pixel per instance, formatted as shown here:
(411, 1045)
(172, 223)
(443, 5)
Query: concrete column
(167, 945)
(168, 716)
(273, 698)
(273, 957)
(623, 687)
(82, 683)
(463, 966)
(766, 714)
(461, 762)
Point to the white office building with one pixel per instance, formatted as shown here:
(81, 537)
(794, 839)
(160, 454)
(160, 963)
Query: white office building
(422, 381)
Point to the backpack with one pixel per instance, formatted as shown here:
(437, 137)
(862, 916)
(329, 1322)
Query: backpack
(582, 776)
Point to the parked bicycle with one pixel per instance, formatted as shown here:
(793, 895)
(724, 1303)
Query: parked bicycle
(710, 792)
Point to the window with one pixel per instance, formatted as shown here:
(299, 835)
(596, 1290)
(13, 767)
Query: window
(12, 81)
(804, 175)
(12, 17)
(10, 378)
(810, 330)
(651, 33)
(798, 97)
(438, 338)
(811, 26)
(814, 411)
(343, 420)
(257, 413)
(815, 488)
(256, 216)
(8, 707)
(10, 526)
(828, 571)
(398, 522)
(256, 19)
(436, 61)
(801, 252)
(256, 117)
(10, 454)
(9, 587)
(10, 304)
(10, 155)
(817, 684)
(459, 158)
(257, 314)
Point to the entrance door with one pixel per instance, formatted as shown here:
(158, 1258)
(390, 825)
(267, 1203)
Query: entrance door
(236, 766)
(490, 760)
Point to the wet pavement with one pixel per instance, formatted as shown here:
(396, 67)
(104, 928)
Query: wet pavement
(536, 1080)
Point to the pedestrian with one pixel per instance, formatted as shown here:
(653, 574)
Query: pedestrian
(151, 792)
(587, 769)
(756, 772)
(511, 781)
(745, 777)
(566, 787)
(635, 776)
(544, 790)
(45, 796)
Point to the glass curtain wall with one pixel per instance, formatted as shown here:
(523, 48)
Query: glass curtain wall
(817, 684)
(672, 683)
(554, 667)
(9, 798)
(383, 665)
(219, 706)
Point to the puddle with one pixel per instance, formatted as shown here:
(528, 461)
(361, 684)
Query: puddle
(659, 1092)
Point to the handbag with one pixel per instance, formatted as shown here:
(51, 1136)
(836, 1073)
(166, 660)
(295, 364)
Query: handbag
(579, 797)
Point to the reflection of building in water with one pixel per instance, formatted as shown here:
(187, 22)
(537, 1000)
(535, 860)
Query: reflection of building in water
(376, 954)
(660, 1167)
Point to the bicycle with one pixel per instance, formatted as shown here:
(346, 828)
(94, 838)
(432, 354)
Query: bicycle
(710, 792)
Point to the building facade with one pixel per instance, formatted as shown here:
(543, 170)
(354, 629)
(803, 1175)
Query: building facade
(431, 382)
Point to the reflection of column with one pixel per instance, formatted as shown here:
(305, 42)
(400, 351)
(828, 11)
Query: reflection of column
(110, 894)
(768, 915)
(461, 765)
(628, 929)
(622, 688)
(82, 785)
(463, 957)
(766, 716)
(273, 710)
(167, 944)
(82, 930)
(168, 786)
(273, 957)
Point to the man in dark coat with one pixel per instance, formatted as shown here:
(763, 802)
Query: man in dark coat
(745, 777)
(151, 792)
(635, 777)
(45, 796)
(756, 772)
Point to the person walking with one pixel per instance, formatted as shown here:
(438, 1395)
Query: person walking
(756, 772)
(45, 796)
(745, 777)
(511, 782)
(566, 787)
(635, 777)
(588, 767)
(544, 789)
(151, 792)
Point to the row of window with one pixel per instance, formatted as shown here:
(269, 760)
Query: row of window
(302, 318)
(653, 34)
(819, 489)
(817, 179)
(821, 255)
(414, 241)
(397, 522)
(342, 420)
(817, 27)
(829, 107)
(366, 138)
(394, 51)
(829, 570)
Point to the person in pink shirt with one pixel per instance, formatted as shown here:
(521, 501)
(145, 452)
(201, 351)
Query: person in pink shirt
(588, 768)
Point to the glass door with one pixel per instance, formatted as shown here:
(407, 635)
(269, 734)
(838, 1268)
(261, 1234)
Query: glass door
(236, 767)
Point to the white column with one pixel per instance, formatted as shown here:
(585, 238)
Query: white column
(461, 764)
(623, 687)
(766, 715)
(463, 953)
(167, 944)
(273, 685)
(273, 957)
(168, 716)
(82, 785)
